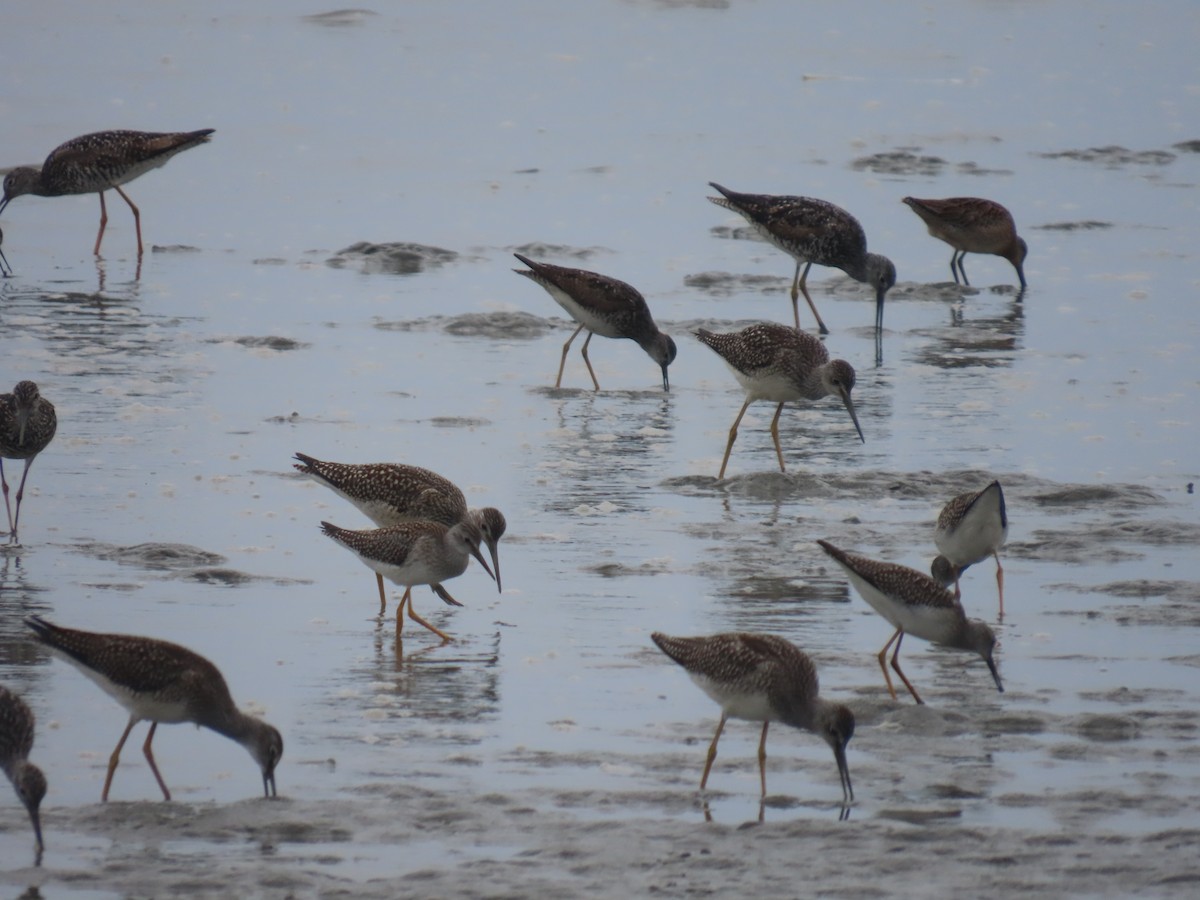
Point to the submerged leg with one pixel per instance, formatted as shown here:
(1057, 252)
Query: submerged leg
(802, 285)
(732, 437)
(137, 217)
(400, 610)
(16, 520)
(995, 553)
(775, 436)
(962, 268)
(103, 222)
(116, 758)
(562, 362)
(150, 759)
(587, 340)
(382, 594)
(712, 752)
(762, 758)
(896, 666)
(4, 485)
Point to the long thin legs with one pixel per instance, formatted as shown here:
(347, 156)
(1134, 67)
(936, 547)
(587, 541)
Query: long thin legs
(412, 614)
(775, 436)
(897, 637)
(563, 362)
(137, 220)
(732, 437)
(712, 752)
(799, 286)
(149, 754)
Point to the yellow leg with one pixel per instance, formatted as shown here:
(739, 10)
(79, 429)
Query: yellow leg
(562, 362)
(896, 665)
(732, 437)
(150, 759)
(883, 663)
(802, 284)
(400, 610)
(762, 760)
(775, 436)
(382, 595)
(114, 759)
(587, 340)
(137, 217)
(712, 752)
(412, 614)
(103, 222)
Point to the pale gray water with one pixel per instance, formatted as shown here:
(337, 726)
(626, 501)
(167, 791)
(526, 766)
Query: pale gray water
(552, 749)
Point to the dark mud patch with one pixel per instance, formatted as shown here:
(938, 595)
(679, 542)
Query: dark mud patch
(234, 578)
(397, 258)
(159, 556)
(901, 161)
(468, 422)
(340, 18)
(266, 342)
(1083, 496)
(1084, 225)
(538, 250)
(494, 325)
(1114, 156)
(726, 284)
(173, 248)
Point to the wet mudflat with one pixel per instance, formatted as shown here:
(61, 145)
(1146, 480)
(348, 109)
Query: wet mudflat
(352, 299)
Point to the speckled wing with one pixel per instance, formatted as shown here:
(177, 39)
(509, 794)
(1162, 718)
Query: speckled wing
(734, 658)
(145, 665)
(759, 346)
(597, 292)
(915, 589)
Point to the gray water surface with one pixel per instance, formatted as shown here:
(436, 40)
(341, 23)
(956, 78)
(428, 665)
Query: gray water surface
(551, 748)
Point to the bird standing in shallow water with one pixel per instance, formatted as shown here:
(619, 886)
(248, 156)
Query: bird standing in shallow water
(414, 553)
(971, 527)
(813, 231)
(93, 163)
(163, 682)
(972, 225)
(393, 494)
(16, 741)
(777, 363)
(27, 425)
(762, 678)
(604, 306)
(915, 604)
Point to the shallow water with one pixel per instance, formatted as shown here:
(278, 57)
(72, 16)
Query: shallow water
(551, 748)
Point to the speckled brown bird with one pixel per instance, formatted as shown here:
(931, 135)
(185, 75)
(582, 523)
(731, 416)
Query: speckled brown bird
(777, 363)
(414, 553)
(27, 425)
(393, 494)
(813, 231)
(93, 163)
(16, 743)
(914, 604)
(972, 225)
(762, 678)
(604, 306)
(970, 528)
(157, 681)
